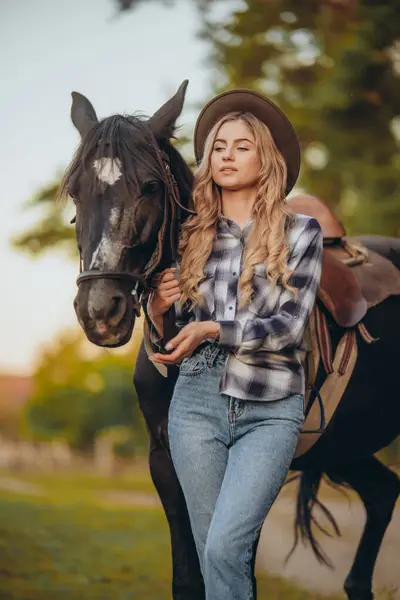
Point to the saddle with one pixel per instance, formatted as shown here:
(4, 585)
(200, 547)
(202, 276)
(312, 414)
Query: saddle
(353, 280)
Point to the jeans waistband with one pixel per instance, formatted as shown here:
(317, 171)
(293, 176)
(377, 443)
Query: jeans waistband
(212, 353)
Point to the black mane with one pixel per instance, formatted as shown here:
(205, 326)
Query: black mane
(129, 139)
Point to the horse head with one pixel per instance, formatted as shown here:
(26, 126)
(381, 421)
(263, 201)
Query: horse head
(130, 187)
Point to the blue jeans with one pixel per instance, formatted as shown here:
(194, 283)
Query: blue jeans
(231, 457)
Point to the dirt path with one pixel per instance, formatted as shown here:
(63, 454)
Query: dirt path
(277, 538)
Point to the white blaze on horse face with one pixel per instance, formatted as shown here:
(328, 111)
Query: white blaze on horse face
(108, 169)
(115, 214)
(108, 252)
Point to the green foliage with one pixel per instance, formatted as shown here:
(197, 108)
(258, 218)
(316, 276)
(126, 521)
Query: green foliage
(77, 396)
(333, 67)
(334, 73)
(51, 230)
(125, 5)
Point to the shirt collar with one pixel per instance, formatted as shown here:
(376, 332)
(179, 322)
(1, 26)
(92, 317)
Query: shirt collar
(229, 227)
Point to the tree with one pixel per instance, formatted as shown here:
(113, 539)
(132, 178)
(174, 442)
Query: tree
(333, 66)
(334, 73)
(125, 5)
(52, 229)
(78, 395)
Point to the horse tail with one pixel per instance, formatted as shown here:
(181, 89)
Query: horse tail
(310, 481)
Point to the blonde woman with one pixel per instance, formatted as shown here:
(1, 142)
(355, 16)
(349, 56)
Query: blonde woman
(243, 291)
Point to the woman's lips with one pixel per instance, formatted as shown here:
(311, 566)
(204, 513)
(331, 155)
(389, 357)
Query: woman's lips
(228, 170)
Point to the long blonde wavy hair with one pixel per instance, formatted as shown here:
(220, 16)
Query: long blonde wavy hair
(271, 217)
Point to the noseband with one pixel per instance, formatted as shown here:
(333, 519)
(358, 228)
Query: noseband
(141, 283)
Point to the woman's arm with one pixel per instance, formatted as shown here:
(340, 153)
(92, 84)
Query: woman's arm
(285, 328)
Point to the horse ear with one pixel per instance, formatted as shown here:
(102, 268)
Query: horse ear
(83, 114)
(162, 123)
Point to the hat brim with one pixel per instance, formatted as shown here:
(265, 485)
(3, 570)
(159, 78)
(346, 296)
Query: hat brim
(242, 100)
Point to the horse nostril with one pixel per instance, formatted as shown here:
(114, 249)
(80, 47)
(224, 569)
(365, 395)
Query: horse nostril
(117, 309)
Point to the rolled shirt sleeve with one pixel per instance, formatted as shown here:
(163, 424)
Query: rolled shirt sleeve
(286, 327)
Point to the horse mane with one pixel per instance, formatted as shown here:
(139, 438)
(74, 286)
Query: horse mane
(129, 139)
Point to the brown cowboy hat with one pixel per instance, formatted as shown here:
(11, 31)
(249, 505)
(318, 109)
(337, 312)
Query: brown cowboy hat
(242, 100)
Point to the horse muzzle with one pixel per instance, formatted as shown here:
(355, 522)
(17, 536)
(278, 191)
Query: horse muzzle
(106, 310)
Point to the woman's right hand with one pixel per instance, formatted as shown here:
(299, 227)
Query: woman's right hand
(167, 292)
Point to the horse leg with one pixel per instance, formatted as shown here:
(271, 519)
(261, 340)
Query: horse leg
(154, 395)
(378, 488)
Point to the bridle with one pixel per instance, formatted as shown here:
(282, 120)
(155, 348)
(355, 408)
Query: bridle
(141, 284)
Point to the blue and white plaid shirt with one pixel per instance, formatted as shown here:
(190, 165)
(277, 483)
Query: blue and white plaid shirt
(265, 337)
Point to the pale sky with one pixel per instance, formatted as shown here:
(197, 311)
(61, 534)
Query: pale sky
(47, 49)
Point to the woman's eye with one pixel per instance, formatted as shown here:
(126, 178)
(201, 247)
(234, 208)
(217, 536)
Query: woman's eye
(218, 148)
(242, 148)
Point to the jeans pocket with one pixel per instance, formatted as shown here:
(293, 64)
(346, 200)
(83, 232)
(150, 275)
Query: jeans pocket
(193, 366)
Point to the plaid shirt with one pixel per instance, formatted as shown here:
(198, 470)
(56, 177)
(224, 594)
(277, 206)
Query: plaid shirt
(265, 337)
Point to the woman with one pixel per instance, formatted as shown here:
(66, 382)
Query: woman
(248, 277)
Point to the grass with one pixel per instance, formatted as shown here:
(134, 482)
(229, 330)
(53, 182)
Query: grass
(69, 543)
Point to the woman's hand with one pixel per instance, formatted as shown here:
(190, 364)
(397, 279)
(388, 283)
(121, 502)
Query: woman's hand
(186, 342)
(167, 292)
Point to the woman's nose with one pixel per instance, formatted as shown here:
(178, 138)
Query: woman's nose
(227, 154)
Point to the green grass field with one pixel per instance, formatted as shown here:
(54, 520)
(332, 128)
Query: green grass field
(66, 540)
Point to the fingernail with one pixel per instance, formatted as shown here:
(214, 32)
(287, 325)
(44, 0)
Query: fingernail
(168, 346)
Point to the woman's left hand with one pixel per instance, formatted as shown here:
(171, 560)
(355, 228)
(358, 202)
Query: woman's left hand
(186, 342)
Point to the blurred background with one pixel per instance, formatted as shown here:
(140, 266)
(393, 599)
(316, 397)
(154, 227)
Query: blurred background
(71, 433)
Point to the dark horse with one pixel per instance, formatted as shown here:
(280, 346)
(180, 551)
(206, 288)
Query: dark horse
(131, 189)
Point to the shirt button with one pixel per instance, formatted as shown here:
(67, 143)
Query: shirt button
(231, 308)
(234, 273)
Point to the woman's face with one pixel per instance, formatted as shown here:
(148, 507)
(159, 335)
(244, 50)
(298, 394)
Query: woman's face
(235, 163)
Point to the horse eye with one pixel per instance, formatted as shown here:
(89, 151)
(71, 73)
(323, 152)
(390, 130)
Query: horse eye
(73, 220)
(151, 187)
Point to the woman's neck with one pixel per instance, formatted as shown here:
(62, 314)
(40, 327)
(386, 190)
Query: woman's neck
(237, 205)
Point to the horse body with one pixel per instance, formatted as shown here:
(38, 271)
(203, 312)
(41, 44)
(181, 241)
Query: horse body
(130, 211)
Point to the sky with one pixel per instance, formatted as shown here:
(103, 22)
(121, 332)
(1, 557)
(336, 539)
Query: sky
(121, 63)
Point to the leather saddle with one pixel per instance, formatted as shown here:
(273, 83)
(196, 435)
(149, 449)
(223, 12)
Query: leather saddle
(353, 278)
